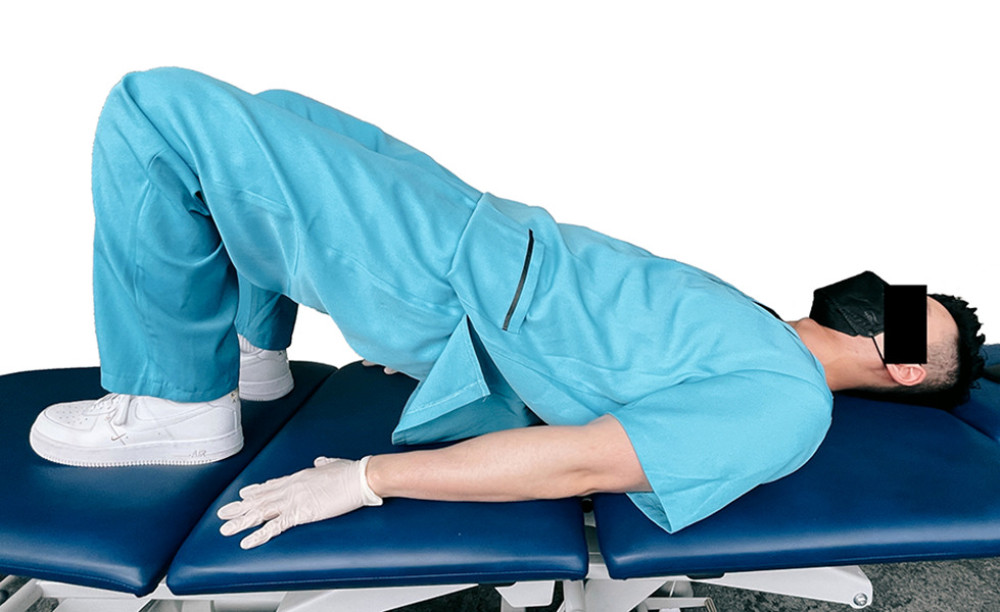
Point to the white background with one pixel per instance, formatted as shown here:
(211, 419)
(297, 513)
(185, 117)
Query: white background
(780, 145)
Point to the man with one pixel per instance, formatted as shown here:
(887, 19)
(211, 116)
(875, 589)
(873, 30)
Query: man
(217, 211)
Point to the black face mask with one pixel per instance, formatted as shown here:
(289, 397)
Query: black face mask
(854, 306)
(866, 305)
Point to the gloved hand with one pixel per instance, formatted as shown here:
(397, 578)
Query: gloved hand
(331, 488)
(372, 364)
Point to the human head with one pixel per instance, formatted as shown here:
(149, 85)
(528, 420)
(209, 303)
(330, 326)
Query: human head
(954, 361)
(855, 307)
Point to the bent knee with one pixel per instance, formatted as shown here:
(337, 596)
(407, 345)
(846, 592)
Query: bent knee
(292, 101)
(170, 83)
(161, 79)
(278, 96)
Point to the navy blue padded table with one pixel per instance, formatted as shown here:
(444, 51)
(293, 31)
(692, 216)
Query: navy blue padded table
(981, 411)
(890, 483)
(402, 543)
(111, 528)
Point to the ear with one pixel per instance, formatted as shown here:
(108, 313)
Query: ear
(906, 374)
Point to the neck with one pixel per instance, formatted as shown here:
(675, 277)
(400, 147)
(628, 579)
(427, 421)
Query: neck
(849, 362)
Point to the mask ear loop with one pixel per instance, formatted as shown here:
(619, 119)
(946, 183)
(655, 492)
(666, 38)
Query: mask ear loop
(879, 351)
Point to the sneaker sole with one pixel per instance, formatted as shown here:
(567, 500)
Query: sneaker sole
(196, 452)
(267, 390)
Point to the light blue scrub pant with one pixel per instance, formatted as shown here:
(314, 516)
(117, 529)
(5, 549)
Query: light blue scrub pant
(218, 211)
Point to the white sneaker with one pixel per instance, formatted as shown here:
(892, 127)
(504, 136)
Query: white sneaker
(264, 375)
(120, 430)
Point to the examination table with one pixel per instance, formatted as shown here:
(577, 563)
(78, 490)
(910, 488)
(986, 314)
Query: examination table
(890, 483)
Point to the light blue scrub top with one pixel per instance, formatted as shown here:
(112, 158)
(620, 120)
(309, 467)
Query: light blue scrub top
(491, 304)
(715, 393)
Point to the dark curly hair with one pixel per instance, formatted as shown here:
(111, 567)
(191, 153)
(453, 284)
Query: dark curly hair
(959, 367)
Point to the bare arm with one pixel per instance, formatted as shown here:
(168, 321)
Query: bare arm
(542, 462)
(532, 463)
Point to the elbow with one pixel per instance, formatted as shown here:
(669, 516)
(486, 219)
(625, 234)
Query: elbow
(587, 482)
(608, 463)
(590, 481)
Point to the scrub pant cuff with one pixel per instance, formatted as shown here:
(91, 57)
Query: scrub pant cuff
(165, 390)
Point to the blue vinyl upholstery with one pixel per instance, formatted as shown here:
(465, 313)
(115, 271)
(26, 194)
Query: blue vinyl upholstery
(891, 482)
(403, 542)
(111, 528)
(982, 411)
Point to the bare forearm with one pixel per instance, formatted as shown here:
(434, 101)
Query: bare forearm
(532, 463)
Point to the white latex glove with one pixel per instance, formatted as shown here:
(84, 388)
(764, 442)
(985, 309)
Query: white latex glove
(331, 488)
(372, 364)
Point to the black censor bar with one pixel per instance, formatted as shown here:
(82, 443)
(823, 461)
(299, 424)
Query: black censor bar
(906, 324)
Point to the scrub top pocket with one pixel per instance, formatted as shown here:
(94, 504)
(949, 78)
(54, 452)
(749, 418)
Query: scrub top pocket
(496, 267)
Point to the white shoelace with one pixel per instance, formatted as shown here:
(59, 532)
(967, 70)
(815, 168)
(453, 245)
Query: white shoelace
(119, 408)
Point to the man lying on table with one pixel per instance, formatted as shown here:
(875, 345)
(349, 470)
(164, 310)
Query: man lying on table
(217, 212)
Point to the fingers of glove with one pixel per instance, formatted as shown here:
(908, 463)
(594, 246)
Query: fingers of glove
(321, 461)
(263, 488)
(269, 530)
(249, 491)
(231, 510)
(372, 364)
(249, 516)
